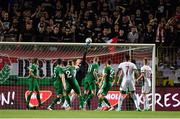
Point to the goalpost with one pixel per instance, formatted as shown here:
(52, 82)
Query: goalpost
(18, 56)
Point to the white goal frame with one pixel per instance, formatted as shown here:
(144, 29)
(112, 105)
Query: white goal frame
(153, 46)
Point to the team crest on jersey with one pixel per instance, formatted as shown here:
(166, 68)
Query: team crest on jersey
(5, 64)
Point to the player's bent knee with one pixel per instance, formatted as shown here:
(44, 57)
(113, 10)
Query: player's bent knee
(100, 96)
(58, 96)
(94, 92)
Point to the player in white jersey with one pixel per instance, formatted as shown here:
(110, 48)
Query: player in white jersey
(127, 71)
(146, 74)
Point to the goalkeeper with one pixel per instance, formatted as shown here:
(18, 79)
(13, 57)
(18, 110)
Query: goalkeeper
(81, 68)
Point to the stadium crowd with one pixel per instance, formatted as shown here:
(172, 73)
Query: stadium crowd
(122, 21)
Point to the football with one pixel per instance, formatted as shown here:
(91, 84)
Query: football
(88, 40)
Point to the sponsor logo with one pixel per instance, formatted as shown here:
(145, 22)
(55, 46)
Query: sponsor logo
(44, 96)
(113, 96)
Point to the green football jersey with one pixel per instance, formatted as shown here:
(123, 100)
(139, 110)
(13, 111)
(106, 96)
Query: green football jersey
(58, 70)
(34, 69)
(69, 72)
(93, 68)
(109, 71)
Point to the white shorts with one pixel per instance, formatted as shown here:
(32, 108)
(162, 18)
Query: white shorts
(146, 88)
(127, 85)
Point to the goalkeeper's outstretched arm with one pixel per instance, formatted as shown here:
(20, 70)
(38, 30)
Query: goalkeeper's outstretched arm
(82, 67)
(84, 55)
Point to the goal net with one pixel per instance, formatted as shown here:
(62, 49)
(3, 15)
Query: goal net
(15, 58)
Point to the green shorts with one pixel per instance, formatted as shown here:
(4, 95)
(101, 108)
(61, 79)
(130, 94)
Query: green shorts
(90, 85)
(33, 85)
(73, 84)
(58, 87)
(105, 88)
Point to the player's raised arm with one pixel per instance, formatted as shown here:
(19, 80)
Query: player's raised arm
(88, 41)
(84, 56)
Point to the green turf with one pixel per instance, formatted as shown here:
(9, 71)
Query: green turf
(85, 114)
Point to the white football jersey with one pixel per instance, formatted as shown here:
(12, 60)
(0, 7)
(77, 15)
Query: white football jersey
(128, 70)
(147, 73)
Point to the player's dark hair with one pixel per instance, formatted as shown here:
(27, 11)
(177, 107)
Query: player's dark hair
(59, 61)
(34, 61)
(91, 61)
(96, 59)
(74, 61)
(109, 62)
(133, 61)
(65, 63)
(127, 57)
(70, 63)
(145, 60)
(99, 63)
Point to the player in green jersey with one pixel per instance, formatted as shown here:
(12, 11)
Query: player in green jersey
(33, 82)
(59, 84)
(90, 81)
(71, 83)
(105, 85)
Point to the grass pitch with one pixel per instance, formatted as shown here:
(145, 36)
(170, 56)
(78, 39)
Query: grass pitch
(55, 114)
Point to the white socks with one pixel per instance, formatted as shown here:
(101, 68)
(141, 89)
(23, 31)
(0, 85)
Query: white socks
(136, 102)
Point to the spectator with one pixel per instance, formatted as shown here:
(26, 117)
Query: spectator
(161, 10)
(68, 35)
(98, 29)
(89, 31)
(170, 37)
(80, 34)
(106, 35)
(27, 35)
(125, 24)
(116, 15)
(119, 33)
(13, 34)
(160, 33)
(6, 21)
(55, 35)
(41, 33)
(58, 17)
(149, 35)
(133, 35)
(138, 17)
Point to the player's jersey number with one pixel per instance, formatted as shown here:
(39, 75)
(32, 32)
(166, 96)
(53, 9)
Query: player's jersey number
(111, 73)
(127, 70)
(68, 74)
